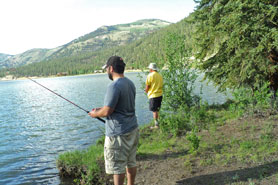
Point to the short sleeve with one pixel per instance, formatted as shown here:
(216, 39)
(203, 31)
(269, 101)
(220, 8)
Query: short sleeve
(149, 80)
(112, 96)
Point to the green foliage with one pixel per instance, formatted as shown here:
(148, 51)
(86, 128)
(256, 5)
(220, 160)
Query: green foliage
(182, 109)
(81, 158)
(83, 164)
(234, 40)
(101, 140)
(178, 77)
(177, 123)
(201, 116)
(153, 142)
(2, 73)
(183, 120)
(194, 141)
(157, 145)
(246, 100)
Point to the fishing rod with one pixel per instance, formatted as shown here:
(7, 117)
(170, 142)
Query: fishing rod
(64, 98)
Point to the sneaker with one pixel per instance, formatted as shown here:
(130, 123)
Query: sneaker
(155, 127)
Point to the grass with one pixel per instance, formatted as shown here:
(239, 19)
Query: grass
(229, 142)
(85, 166)
(153, 141)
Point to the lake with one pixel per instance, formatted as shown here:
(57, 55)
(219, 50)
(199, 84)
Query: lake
(36, 125)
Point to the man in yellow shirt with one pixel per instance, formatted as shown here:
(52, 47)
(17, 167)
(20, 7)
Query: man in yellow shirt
(154, 85)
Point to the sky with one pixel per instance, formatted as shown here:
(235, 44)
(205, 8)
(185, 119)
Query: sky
(28, 24)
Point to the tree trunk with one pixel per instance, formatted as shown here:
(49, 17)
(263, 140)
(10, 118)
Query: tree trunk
(273, 57)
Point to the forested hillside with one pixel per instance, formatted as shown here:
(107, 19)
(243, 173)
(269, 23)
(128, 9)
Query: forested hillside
(73, 58)
(27, 57)
(110, 36)
(137, 54)
(3, 57)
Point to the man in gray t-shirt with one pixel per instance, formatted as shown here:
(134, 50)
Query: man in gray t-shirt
(120, 95)
(121, 127)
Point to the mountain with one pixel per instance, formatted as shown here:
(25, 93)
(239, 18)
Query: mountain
(137, 54)
(110, 36)
(103, 38)
(3, 58)
(28, 57)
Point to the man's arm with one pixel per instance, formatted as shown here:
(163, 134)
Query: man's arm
(101, 112)
(148, 83)
(147, 88)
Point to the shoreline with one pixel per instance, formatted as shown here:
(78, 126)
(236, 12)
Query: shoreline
(12, 78)
(160, 154)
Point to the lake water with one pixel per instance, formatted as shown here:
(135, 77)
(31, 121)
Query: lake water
(36, 125)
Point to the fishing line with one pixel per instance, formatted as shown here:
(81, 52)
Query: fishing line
(64, 98)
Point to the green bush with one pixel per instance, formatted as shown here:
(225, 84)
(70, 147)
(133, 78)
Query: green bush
(185, 119)
(178, 77)
(175, 123)
(252, 100)
(194, 141)
(201, 117)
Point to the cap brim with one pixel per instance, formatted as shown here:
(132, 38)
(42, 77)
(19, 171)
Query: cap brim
(153, 68)
(104, 67)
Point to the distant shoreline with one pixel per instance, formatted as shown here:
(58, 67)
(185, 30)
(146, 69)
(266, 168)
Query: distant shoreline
(12, 78)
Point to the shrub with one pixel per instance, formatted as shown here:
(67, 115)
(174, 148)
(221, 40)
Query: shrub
(201, 117)
(178, 77)
(253, 100)
(175, 123)
(194, 141)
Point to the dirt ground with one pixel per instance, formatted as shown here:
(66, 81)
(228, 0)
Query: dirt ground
(171, 171)
(170, 168)
(178, 167)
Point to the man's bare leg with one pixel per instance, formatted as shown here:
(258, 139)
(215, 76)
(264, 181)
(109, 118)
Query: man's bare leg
(155, 117)
(131, 174)
(119, 179)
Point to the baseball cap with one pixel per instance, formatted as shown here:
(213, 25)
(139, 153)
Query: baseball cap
(114, 61)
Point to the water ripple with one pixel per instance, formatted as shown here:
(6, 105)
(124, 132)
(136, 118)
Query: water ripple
(36, 126)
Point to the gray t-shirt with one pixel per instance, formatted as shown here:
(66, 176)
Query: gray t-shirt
(120, 95)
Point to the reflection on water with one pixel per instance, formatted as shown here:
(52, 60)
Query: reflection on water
(36, 125)
(209, 92)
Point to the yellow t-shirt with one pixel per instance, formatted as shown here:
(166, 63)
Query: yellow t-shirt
(155, 83)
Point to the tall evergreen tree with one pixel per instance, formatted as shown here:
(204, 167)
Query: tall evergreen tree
(236, 41)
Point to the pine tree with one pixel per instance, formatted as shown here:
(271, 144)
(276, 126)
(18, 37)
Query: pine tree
(236, 41)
